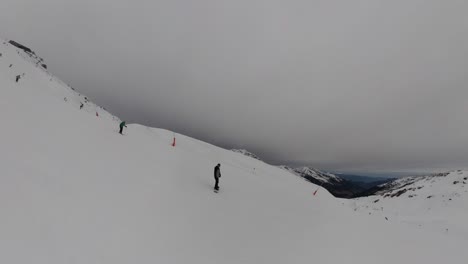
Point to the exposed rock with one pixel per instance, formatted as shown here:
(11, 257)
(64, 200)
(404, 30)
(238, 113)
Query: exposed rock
(400, 192)
(20, 46)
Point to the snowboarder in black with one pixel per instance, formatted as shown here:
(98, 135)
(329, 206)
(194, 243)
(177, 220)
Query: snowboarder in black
(18, 77)
(81, 105)
(122, 125)
(217, 175)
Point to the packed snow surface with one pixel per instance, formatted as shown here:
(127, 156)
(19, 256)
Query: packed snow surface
(73, 190)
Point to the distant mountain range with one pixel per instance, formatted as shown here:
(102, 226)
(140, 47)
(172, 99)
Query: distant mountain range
(341, 185)
(361, 178)
(337, 186)
(398, 187)
(246, 153)
(365, 182)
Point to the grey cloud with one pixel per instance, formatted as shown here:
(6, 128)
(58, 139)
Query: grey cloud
(343, 85)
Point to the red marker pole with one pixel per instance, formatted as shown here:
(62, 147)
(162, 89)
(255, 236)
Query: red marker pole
(314, 193)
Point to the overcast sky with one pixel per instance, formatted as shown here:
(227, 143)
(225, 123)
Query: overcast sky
(362, 85)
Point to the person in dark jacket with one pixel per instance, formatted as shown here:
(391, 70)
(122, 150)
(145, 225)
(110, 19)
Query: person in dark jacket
(122, 125)
(217, 175)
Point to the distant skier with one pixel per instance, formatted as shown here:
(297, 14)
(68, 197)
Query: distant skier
(122, 125)
(217, 175)
(18, 77)
(81, 106)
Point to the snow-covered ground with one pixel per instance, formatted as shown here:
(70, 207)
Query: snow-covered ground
(72, 190)
(435, 202)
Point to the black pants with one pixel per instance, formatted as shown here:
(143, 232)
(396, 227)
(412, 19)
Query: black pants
(121, 129)
(216, 183)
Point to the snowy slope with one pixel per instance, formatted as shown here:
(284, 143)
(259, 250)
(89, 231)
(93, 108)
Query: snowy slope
(438, 202)
(72, 190)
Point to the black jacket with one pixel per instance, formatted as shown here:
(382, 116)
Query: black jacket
(217, 172)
